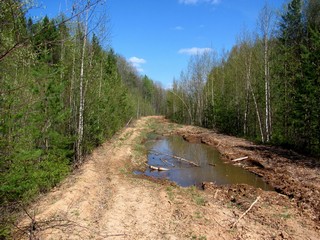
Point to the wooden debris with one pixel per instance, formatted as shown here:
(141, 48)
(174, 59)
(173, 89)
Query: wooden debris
(165, 161)
(257, 163)
(158, 168)
(254, 170)
(240, 159)
(162, 169)
(129, 122)
(153, 168)
(176, 157)
(235, 223)
(216, 194)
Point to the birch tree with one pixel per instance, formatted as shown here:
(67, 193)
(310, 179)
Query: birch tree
(81, 92)
(266, 28)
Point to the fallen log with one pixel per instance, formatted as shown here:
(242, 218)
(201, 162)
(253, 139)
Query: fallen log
(235, 223)
(153, 168)
(256, 163)
(162, 169)
(176, 157)
(240, 159)
(166, 162)
(158, 168)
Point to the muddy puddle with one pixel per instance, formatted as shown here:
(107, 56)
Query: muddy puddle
(178, 159)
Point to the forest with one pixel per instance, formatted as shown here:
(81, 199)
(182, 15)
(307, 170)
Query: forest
(267, 88)
(63, 92)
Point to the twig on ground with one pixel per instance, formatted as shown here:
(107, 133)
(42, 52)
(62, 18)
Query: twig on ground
(129, 122)
(240, 159)
(235, 223)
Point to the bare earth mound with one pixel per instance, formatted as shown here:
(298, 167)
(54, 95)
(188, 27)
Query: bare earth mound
(104, 200)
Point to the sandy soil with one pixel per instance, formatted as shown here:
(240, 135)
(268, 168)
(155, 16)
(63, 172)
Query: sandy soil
(105, 200)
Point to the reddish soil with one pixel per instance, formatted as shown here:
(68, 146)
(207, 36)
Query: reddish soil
(105, 200)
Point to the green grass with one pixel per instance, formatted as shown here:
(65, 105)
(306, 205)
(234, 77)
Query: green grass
(197, 214)
(285, 214)
(170, 193)
(139, 148)
(76, 213)
(195, 237)
(125, 136)
(196, 196)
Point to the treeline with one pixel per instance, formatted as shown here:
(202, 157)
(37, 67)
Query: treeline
(267, 88)
(61, 95)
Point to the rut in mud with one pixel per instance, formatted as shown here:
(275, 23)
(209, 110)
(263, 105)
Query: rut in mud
(104, 200)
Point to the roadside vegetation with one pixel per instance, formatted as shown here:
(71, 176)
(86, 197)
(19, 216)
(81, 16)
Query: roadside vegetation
(266, 88)
(63, 92)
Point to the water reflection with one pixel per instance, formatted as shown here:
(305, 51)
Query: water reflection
(212, 168)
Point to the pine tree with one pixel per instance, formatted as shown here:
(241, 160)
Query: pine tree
(309, 91)
(290, 74)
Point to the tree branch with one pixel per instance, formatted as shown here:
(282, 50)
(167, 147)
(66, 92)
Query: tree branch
(235, 223)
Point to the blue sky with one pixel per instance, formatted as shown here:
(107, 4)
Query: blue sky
(159, 36)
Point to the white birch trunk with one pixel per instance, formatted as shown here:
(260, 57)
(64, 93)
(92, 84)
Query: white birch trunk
(266, 76)
(266, 16)
(71, 94)
(245, 127)
(187, 107)
(248, 63)
(248, 76)
(81, 97)
(258, 114)
(267, 89)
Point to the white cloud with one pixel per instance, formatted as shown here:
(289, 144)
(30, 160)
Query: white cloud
(140, 69)
(188, 1)
(193, 2)
(194, 50)
(178, 28)
(137, 62)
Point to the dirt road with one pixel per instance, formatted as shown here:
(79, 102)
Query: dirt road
(104, 200)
